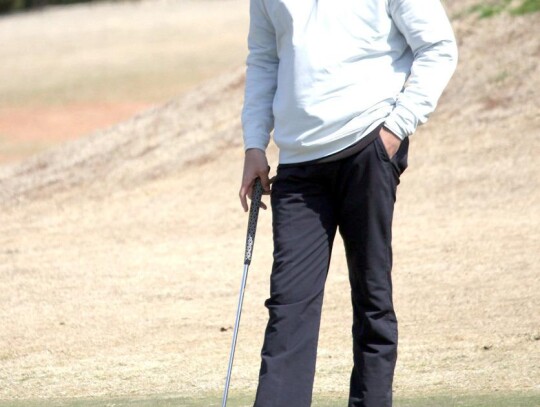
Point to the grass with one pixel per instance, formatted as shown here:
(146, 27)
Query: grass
(508, 400)
(490, 9)
(527, 6)
(486, 10)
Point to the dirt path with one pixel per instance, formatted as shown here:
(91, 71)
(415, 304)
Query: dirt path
(28, 130)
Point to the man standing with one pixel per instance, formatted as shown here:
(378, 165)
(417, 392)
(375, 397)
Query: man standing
(343, 84)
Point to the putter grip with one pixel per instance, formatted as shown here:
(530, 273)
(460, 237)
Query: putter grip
(256, 196)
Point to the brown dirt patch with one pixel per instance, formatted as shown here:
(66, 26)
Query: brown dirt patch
(26, 130)
(58, 123)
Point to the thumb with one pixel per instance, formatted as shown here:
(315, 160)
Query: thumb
(264, 180)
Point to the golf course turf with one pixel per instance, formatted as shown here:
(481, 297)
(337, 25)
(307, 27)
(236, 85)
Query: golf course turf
(508, 400)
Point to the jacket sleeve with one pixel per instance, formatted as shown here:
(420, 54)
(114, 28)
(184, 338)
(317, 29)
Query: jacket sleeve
(261, 78)
(428, 32)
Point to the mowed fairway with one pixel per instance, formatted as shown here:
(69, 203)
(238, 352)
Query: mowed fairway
(121, 251)
(247, 401)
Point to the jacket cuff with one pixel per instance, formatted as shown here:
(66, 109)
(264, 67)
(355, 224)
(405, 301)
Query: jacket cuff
(401, 121)
(255, 143)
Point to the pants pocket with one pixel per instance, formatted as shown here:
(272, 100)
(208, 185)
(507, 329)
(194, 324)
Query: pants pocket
(399, 161)
(401, 157)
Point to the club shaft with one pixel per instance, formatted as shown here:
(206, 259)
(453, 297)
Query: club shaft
(250, 241)
(235, 334)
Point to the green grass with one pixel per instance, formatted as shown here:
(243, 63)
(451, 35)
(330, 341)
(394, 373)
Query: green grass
(508, 400)
(492, 8)
(527, 6)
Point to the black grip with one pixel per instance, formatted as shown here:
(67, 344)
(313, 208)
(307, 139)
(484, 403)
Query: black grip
(256, 196)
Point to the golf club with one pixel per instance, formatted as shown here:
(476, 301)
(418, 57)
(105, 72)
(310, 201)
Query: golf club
(250, 240)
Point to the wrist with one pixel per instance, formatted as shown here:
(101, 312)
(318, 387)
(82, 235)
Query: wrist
(389, 131)
(255, 151)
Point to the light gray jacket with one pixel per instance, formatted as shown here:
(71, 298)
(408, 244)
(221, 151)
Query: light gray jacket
(323, 73)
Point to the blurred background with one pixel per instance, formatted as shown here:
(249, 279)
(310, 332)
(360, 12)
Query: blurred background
(68, 70)
(121, 234)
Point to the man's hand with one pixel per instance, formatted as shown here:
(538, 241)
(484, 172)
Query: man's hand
(255, 165)
(391, 142)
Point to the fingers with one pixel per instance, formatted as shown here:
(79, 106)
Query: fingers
(243, 194)
(264, 180)
(255, 166)
(270, 182)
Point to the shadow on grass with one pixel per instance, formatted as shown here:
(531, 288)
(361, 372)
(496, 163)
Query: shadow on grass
(510, 400)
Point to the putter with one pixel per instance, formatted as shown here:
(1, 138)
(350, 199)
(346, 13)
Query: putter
(250, 240)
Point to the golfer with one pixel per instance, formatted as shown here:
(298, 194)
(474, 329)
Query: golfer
(342, 84)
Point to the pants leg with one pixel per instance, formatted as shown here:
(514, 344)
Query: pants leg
(304, 227)
(367, 190)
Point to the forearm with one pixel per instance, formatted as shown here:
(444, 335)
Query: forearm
(428, 32)
(257, 116)
(261, 79)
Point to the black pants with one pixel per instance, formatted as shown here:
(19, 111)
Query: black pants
(309, 202)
